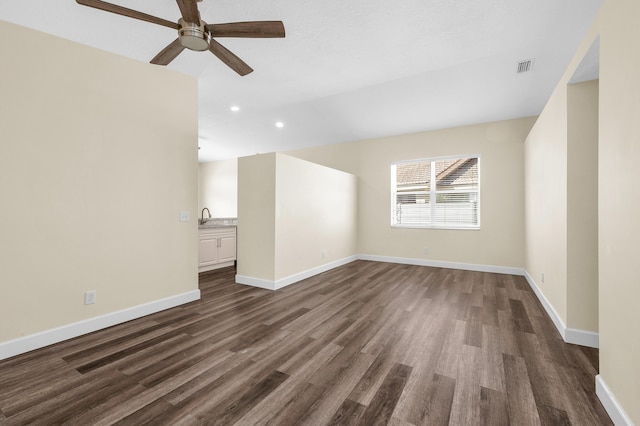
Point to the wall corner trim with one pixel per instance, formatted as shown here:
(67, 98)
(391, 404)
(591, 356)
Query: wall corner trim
(611, 404)
(283, 282)
(59, 334)
(569, 335)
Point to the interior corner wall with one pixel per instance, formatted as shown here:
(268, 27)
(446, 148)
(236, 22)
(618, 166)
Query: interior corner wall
(257, 217)
(618, 209)
(96, 163)
(619, 204)
(546, 203)
(500, 241)
(561, 220)
(582, 206)
(218, 187)
(295, 219)
(316, 214)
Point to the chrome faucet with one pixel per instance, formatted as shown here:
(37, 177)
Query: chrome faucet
(202, 219)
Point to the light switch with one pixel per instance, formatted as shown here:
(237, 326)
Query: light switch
(184, 216)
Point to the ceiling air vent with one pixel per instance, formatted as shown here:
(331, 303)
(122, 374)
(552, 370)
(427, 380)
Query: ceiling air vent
(525, 66)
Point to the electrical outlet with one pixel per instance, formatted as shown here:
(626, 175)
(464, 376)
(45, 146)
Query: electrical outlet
(323, 254)
(542, 277)
(184, 216)
(426, 250)
(89, 297)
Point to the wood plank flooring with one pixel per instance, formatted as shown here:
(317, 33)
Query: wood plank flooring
(364, 344)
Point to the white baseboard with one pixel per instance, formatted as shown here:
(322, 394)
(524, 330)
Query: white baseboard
(611, 404)
(283, 282)
(255, 282)
(274, 285)
(443, 264)
(569, 335)
(45, 338)
(557, 321)
(582, 337)
(291, 279)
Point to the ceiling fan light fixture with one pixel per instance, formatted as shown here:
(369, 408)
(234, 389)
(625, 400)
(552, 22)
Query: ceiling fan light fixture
(193, 36)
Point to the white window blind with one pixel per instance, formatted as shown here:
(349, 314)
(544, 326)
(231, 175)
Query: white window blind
(436, 193)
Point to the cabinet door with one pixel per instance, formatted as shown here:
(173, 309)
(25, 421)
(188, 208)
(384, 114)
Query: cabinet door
(227, 248)
(208, 252)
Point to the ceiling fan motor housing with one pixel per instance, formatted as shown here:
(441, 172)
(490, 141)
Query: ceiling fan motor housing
(193, 36)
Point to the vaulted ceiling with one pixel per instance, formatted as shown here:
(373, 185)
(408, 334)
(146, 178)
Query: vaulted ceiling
(346, 70)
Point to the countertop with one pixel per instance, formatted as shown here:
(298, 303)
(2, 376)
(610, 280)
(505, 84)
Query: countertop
(226, 222)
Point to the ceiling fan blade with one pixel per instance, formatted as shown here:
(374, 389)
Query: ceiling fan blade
(189, 11)
(169, 53)
(120, 10)
(255, 29)
(226, 56)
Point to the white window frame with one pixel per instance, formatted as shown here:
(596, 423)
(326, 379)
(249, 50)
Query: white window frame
(433, 192)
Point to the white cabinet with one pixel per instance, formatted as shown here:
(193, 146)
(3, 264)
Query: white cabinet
(217, 248)
(227, 248)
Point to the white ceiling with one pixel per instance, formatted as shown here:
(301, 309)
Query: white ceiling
(346, 70)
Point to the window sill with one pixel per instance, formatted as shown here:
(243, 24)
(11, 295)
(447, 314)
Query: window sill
(445, 227)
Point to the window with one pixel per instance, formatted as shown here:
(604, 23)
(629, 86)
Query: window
(436, 193)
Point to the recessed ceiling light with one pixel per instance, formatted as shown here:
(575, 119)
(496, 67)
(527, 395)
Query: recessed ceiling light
(235, 108)
(279, 124)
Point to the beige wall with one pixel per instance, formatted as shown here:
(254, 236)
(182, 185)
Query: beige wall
(316, 213)
(619, 204)
(257, 216)
(218, 187)
(582, 206)
(290, 213)
(96, 162)
(499, 242)
(561, 204)
(546, 202)
(343, 156)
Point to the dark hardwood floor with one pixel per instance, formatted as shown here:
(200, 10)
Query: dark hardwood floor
(364, 344)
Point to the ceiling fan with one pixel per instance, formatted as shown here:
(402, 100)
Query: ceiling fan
(195, 34)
